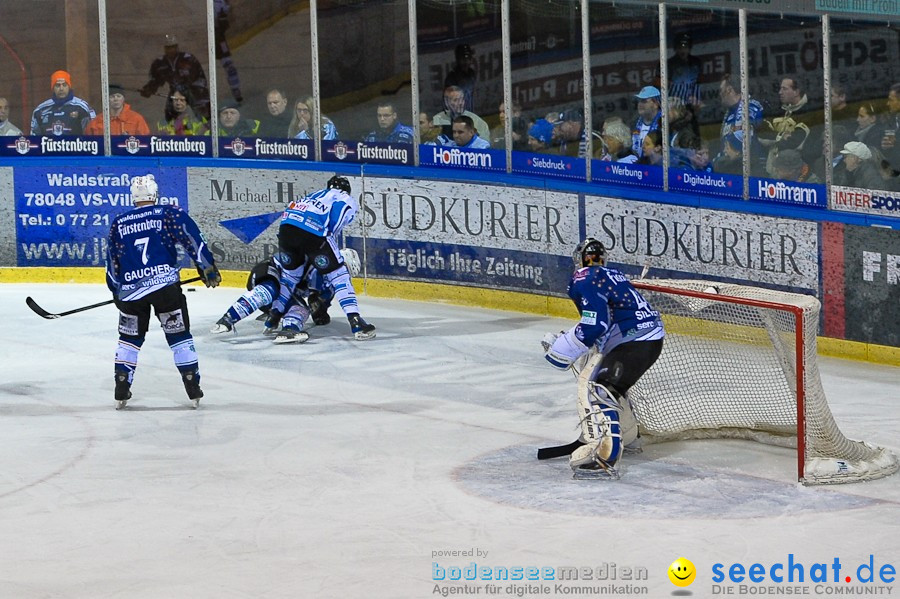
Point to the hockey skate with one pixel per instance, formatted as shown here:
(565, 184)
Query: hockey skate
(360, 328)
(318, 309)
(587, 464)
(223, 325)
(123, 390)
(192, 386)
(290, 334)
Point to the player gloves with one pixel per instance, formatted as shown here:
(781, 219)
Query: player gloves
(210, 276)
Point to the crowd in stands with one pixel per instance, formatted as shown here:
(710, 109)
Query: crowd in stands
(784, 142)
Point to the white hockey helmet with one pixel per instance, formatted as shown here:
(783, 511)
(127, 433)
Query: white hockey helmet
(589, 252)
(144, 189)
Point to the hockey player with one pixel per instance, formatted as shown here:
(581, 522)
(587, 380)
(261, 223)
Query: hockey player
(307, 238)
(263, 288)
(142, 273)
(618, 338)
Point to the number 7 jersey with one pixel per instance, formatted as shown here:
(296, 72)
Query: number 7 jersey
(143, 247)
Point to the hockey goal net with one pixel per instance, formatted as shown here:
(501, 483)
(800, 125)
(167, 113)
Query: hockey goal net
(740, 362)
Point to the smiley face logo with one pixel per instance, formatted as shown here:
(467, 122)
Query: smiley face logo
(682, 572)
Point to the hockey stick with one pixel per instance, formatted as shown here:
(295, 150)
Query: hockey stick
(558, 451)
(50, 316)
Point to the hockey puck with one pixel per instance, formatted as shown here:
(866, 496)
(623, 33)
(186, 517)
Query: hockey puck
(192, 289)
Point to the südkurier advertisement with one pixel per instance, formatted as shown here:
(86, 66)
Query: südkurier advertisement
(63, 214)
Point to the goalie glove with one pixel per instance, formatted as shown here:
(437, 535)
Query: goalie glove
(210, 275)
(351, 260)
(549, 339)
(565, 349)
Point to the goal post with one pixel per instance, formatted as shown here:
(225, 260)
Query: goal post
(741, 362)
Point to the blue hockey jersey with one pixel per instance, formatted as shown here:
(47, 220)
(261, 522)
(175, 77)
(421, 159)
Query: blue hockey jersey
(612, 310)
(143, 250)
(325, 212)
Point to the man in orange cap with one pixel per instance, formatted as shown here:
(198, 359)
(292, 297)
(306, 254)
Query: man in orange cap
(64, 113)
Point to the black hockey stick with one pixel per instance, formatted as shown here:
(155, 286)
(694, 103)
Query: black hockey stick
(50, 316)
(558, 451)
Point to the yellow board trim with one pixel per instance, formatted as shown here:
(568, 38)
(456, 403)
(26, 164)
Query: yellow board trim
(512, 301)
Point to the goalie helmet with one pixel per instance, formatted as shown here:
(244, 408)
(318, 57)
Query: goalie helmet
(144, 189)
(589, 252)
(338, 182)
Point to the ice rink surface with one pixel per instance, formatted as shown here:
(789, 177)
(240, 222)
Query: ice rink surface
(348, 469)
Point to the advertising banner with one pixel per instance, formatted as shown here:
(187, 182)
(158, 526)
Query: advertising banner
(450, 157)
(7, 219)
(865, 201)
(788, 192)
(160, 145)
(476, 234)
(39, 145)
(63, 214)
(717, 184)
(872, 284)
(367, 152)
(238, 209)
(617, 173)
(549, 165)
(719, 244)
(266, 148)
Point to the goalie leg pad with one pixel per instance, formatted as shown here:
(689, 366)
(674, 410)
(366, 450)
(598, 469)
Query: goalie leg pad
(601, 428)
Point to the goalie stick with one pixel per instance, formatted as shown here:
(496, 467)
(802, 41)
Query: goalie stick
(558, 451)
(50, 315)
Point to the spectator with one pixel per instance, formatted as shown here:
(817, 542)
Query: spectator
(428, 131)
(222, 10)
(868, 129)
(232, 125)
(889, 146)
(795, 129)
(301, 123)
(684, 74)
(454, 106)
(681, 121)
(690, 152)
(122, 119)
(730, 160)
(184, 122)
(519, 129)
(652, 148)
(649, 116)
(64, 113)
(7, 128)
(617, 138)
(842, 114)
(276, 121)
(540, 136)
(857, 168)
(464, 135)
(790, 166)
(569, 134)
(390, 129)
(179, 70)
(732, 123)
(463, 75)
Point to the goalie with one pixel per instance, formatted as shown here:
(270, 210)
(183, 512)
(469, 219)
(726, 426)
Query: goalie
(618, 338)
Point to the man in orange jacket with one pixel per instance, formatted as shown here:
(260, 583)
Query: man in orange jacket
(122, 119)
